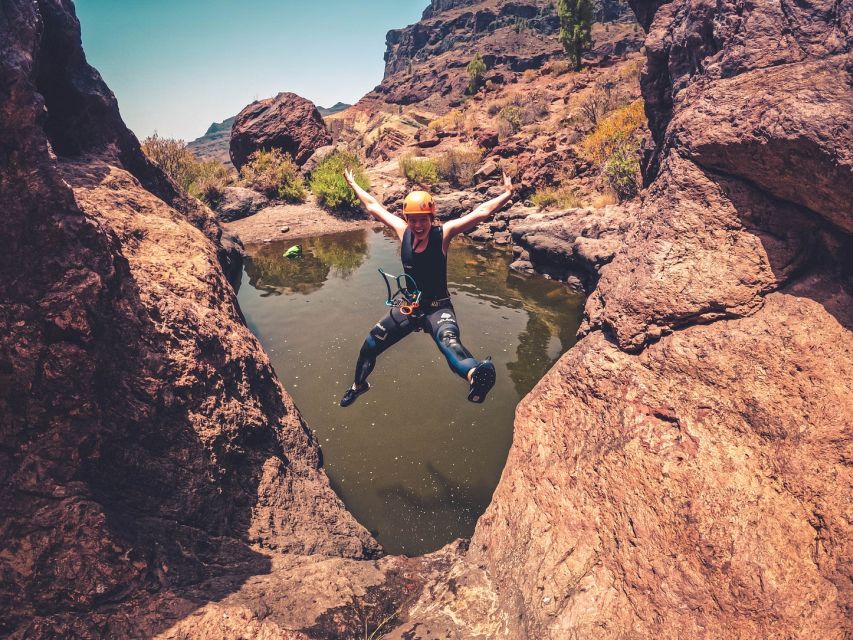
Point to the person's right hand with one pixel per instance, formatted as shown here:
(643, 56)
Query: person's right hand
(349, 177)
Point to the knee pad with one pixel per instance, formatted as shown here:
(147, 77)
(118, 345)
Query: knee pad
(449, 334)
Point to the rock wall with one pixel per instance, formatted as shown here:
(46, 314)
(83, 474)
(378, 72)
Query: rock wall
(145, 441)
(683, 471)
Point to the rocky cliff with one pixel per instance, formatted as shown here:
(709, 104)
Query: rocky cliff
(682, 472)
(425, 63)
(213, 145)
(145, 441)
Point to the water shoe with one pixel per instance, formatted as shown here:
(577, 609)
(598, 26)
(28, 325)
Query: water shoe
(482, 380)
(352, 394)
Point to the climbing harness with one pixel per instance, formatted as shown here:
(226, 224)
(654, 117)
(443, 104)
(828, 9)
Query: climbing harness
(404, 298)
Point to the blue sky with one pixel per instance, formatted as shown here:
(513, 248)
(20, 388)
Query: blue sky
(178, 65)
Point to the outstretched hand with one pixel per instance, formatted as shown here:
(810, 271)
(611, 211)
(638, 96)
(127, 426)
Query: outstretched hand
(507, 183)
(349, 177)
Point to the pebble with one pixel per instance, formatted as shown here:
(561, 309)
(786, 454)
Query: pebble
(284, 229)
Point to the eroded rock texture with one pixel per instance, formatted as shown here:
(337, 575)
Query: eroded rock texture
(426, 63)
(145, 441)
(683, 472)
(287, 122)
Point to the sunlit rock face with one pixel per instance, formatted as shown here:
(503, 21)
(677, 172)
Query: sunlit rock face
(683, 471)
(145, 442)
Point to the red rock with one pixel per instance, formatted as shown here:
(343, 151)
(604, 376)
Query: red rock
(287, 122)
(427, 138)
(486, 138)
(145, 441)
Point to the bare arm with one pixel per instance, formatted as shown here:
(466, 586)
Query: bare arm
(372, 206)
(471, 220)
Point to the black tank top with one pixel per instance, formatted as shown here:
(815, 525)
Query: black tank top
(429, 267)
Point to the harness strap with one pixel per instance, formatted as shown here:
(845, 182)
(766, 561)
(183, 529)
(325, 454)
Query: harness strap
(436, 303)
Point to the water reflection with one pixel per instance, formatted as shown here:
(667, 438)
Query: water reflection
(412, 459)
(339, 254)
(484, 271)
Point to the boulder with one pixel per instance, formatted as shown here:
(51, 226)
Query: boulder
(317, 157)
(486, 138)
(490, 169)
(287, 122)
(427, 137)
(240, 202)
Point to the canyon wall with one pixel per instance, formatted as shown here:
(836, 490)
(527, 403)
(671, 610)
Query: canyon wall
(145, 441)
(684, 470)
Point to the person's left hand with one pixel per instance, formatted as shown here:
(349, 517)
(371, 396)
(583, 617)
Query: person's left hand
(507, 183)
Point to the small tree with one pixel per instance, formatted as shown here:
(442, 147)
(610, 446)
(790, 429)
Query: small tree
(575, 28)
(476, 69)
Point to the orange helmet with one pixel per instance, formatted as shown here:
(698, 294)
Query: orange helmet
(419, 202)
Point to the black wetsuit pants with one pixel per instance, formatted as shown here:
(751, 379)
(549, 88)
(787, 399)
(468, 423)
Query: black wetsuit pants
(439, 322)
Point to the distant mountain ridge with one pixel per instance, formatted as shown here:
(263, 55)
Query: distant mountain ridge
(213, 145)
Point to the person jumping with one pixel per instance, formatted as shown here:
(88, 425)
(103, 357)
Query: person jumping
(424, 256)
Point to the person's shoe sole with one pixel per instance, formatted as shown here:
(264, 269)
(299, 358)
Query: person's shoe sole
(482, 381)
(351, 395)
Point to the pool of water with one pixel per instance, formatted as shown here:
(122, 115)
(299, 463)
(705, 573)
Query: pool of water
(412, 459)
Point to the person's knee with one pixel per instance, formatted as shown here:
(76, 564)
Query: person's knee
(448, 335)
(369, 346)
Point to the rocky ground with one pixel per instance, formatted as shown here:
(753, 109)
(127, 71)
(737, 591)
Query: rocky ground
(682, 472)
(285, 221)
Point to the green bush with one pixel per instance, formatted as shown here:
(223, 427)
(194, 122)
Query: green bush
(328, 184)
(275, 174)
(622, 171)
(419, 170)
(476, 69)
(459, 165)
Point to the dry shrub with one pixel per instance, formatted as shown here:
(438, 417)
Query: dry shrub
(459, 165)
(529, 74)
(620, 128)
(604, 199)
(453, 121)
(559, 67)
(203, 179)
(519, 110)
(562, 197)
(614, 147)
(173, 157)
